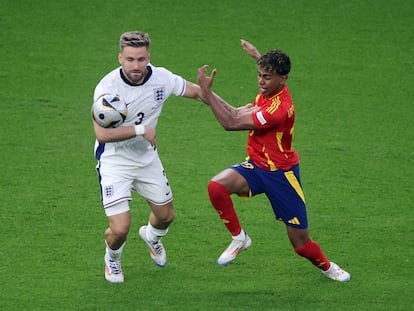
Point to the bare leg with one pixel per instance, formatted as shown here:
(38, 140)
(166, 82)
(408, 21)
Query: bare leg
(117, 232)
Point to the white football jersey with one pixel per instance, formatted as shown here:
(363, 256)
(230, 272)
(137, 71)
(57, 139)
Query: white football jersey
(144, 103)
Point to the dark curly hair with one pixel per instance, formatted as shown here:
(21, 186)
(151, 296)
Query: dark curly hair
(275, 61)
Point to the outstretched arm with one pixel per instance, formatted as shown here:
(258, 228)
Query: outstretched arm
(231, 118)
(194, 91)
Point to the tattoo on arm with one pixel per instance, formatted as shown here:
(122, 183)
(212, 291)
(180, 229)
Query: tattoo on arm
(229, 108)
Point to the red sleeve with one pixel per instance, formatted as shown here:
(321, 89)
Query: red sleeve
(272, 115)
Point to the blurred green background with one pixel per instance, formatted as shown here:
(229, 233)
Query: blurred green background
(351, 80)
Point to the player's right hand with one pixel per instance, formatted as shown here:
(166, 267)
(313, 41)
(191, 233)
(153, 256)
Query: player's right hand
(151, 136)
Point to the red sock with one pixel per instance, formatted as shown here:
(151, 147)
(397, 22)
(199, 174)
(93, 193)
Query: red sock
(221, 200)
(312, 251)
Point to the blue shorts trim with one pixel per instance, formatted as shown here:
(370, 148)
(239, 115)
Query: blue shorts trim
(282, 188)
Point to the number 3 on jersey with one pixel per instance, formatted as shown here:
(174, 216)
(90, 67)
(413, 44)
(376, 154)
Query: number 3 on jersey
(140, 117)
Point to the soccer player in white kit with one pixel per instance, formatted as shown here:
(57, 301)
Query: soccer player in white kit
(127, 156)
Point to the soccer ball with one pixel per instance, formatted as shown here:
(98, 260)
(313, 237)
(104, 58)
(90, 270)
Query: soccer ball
(109, 111)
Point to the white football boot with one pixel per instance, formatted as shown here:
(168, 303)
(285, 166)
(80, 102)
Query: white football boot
(336, 273)
(156, 249)
(235, 247)
(113, 271)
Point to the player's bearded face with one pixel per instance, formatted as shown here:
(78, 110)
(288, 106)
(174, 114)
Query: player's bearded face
(134, 63)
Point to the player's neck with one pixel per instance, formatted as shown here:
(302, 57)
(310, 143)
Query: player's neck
(129, 82)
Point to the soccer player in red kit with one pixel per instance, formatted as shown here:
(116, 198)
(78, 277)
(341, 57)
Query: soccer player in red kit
(272, 166)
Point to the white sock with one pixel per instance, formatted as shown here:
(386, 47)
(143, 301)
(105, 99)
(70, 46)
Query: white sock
(113, 254)
(154, 234)
(241, 236)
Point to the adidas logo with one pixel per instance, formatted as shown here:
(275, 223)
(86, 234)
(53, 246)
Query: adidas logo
(294, 221)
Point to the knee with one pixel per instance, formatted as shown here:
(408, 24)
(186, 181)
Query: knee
(297, 237)
(162, 214)
(167, 214)
(120, 230)
(169, 218)
(215, 189)
(211, 186)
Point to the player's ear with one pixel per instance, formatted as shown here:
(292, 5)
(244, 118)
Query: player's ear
(120, 58)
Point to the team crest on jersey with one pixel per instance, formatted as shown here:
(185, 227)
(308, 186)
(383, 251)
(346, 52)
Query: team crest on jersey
(159, 94)
(109, 191)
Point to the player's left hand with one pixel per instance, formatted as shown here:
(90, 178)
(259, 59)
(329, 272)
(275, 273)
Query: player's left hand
(204, 81)
(250, 49)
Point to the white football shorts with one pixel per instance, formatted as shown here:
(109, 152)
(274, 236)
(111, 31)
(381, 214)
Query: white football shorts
(117, 182)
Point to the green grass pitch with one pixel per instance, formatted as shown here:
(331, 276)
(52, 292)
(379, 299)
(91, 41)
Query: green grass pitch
(352, 83)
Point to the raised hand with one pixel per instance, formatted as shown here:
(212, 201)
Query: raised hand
(250, 49)
(204, 81)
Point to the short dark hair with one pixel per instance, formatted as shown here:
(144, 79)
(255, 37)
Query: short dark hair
(275, 61)
(135, 39)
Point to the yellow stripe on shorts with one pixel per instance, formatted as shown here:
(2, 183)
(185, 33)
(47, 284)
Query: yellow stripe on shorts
(290, 176)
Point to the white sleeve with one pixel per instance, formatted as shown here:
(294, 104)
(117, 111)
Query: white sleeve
(177, 83)
(182, 84)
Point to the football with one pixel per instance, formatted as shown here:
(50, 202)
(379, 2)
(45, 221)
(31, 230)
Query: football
(109, 111)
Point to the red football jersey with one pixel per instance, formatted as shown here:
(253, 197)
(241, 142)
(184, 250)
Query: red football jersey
(270, 145)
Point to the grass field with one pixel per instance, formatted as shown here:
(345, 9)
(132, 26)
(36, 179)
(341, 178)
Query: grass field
(352, 82)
